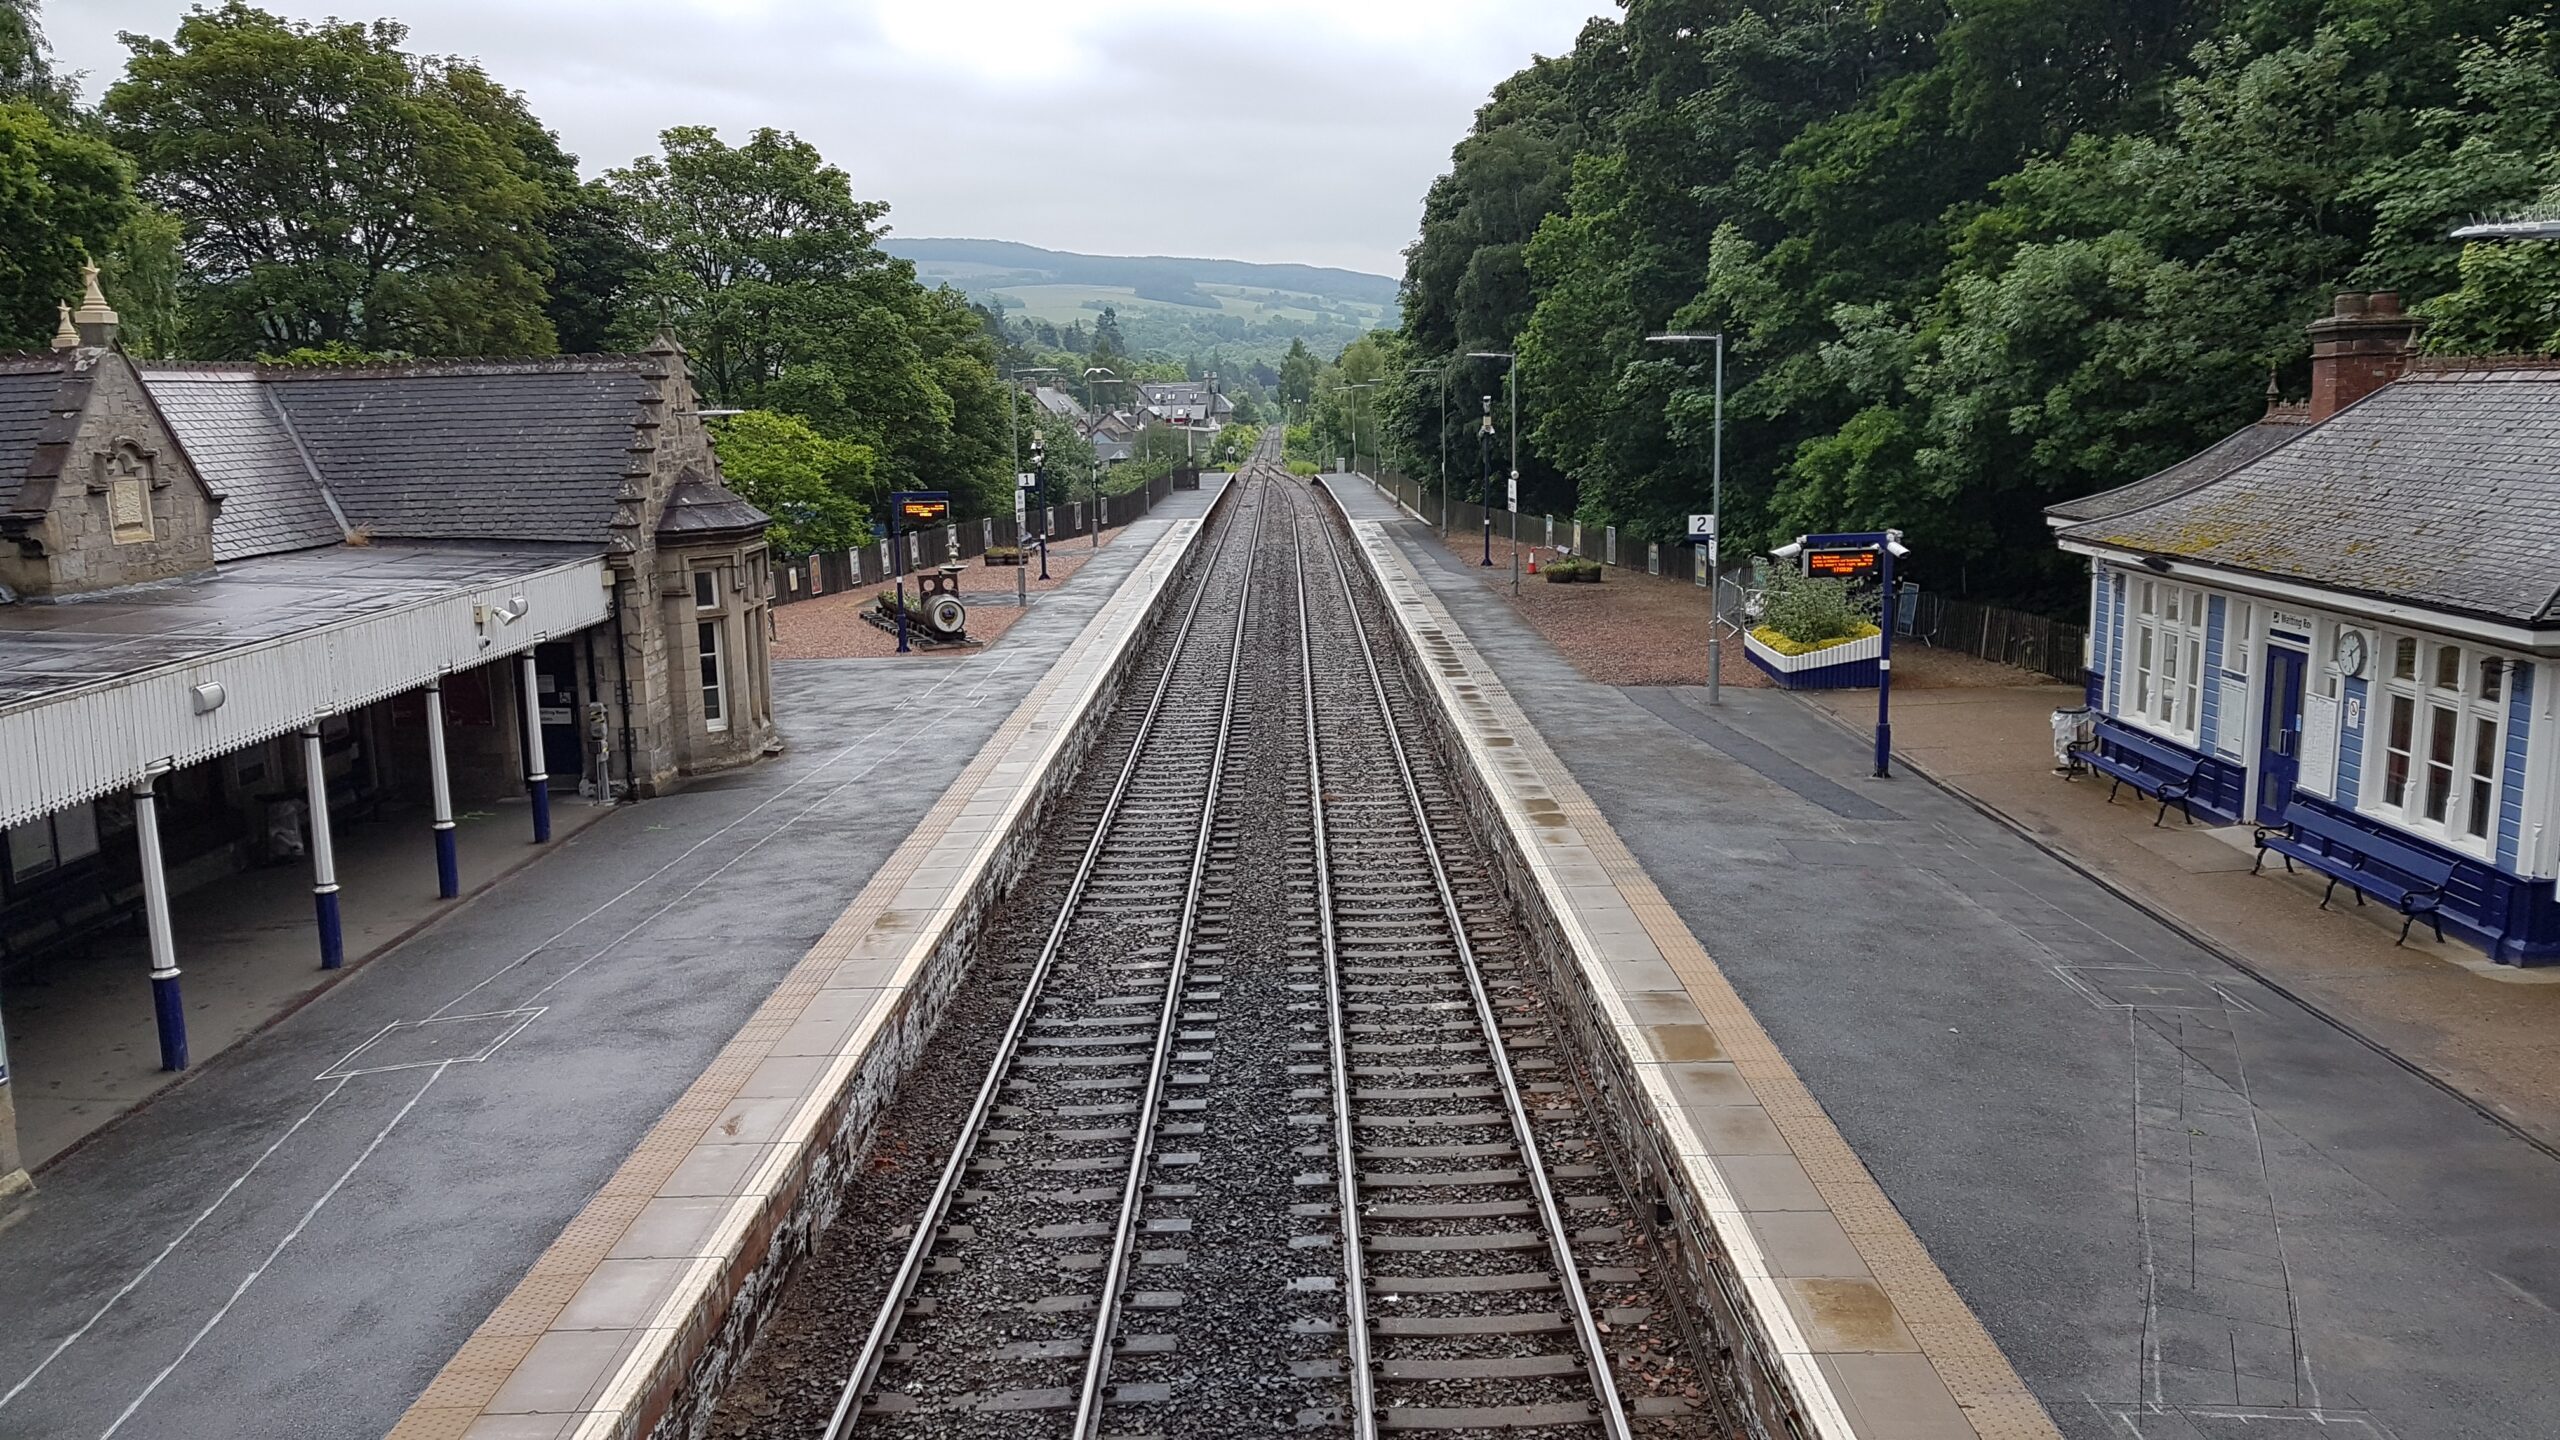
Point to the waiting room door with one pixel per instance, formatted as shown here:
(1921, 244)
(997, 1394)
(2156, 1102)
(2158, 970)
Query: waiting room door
(2280, 734)
(555, 671)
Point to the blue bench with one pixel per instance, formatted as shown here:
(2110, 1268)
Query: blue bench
(2163, 772)
(2411, 879)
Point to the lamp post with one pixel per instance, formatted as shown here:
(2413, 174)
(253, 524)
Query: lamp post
(1355, 387)
(1013, 430)
(1040, 494)
(1442, 369)
(1715, 502)
(1484, 479)
(1511, 382)
(1093, 466)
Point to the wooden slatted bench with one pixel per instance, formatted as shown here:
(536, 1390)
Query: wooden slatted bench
(2410, 879)
(2163, 772)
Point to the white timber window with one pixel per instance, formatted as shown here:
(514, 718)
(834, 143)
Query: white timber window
(715, 677)
(2440, 742)
(2165, 649)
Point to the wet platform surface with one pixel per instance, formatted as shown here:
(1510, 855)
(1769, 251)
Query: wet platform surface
(2184, 1207)
(294, 1241)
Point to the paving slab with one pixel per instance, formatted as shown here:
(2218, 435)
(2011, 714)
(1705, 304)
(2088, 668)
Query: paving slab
(2182, 1204)
(268, 1252)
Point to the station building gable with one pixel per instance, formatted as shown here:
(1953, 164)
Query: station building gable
(2351, 610)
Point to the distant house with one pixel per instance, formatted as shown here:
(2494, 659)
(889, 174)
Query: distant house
(2344, 611)
(1194, 404)
(1058, 402)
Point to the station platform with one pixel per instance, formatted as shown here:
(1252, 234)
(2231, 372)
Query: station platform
(297, 1238)
(2181, 1206)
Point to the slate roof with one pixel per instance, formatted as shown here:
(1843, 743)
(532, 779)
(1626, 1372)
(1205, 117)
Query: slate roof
(701, 506)
(27, 388)
(533, 451)
(2202, 468)
(2442, 489)
(230, 427)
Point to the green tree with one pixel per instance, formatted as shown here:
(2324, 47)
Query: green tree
(26, 62)
(770, 271)
(338, 189)
(63, 196)
(823, 494)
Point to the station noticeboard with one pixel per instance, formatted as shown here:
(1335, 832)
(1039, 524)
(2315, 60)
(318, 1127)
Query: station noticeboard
(1862, 563)
(921, 508)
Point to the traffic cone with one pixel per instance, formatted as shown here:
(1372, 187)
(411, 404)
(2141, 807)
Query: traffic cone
(1533, 562)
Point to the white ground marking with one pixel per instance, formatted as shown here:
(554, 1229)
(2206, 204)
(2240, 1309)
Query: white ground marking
(289, 1237)
(166, 1250)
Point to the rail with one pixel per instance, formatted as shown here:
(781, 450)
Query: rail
(1567, 1275)
(933, 1222)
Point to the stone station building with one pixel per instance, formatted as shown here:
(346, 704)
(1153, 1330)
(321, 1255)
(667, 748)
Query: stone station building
(236, 600)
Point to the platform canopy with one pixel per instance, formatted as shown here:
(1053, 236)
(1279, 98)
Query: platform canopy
(95, 694)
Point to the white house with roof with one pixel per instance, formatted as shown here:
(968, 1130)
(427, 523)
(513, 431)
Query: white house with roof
(2337, 626)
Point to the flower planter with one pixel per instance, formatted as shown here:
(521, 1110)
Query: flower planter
(1849, 665)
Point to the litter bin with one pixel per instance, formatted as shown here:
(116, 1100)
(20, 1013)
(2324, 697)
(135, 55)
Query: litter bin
(2074, 728)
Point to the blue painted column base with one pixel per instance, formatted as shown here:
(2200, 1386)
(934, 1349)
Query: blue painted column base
(333, 943)
(448, 864)
(540, 791)
(172, 1015)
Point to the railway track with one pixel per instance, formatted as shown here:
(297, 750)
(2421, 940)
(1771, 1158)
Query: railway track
(1273, 1137)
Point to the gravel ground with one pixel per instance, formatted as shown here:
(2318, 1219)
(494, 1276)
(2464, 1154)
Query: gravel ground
(1232, 1318)
(831, 627)
(1630, 629)
(1639, 629)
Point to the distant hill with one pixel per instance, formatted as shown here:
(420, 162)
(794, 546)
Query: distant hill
(979, 266)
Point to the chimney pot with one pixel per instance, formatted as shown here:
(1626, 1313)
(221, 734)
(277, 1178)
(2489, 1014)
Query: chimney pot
(2349, 303)
(2384, 302)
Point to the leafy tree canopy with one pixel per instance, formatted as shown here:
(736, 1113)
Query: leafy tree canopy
(64, 196)
(1967, 260)
(338, 189)
(823, 494)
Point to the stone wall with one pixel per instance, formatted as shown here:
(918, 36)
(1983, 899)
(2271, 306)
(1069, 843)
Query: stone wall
(109, 499)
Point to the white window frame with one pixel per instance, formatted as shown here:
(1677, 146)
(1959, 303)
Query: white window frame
(711, 656)
(2164, 650)
(2475, 709)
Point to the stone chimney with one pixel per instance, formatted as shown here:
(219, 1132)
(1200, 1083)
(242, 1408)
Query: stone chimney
(2361, 345)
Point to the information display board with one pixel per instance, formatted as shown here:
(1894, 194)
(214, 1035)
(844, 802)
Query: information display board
(1860, 564)
(917, 510)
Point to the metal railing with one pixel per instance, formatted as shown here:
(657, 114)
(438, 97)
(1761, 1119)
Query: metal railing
(1996, 633)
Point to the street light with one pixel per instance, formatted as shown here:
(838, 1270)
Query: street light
(1040, 484)
(1093, 462)
(1442, 369)
(1355, 387)
(1715, 502)
(1511, 382)
(1484, 479)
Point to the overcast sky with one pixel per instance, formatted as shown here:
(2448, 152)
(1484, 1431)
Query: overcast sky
(1279, 130)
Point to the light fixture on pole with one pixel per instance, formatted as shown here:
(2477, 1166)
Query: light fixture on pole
(1040, 484)
(1511, 382)
(1093, 461)
(1715, 508)
(1484, 479)
(1442, 369)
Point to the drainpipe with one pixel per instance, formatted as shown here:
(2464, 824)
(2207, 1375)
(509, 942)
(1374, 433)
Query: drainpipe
(622, 695)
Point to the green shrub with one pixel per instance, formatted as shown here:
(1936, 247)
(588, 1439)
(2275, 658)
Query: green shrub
(1784, 646)
(1572, 571)
(1813, 611)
